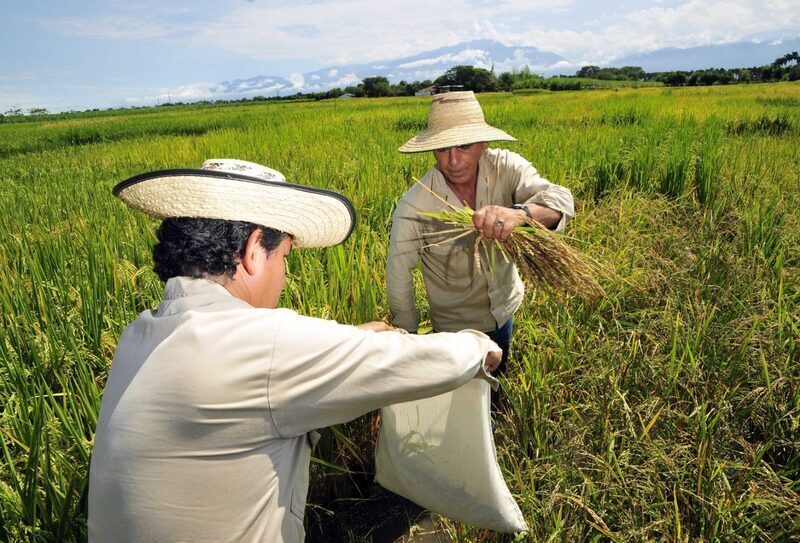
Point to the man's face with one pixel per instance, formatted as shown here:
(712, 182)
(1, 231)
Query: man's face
(460, 164)
(272, 276)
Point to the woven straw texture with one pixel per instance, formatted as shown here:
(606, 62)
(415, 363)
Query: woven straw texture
(455, 118)
(313, 217)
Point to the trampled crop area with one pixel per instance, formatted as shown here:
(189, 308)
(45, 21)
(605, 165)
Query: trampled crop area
(667, 411)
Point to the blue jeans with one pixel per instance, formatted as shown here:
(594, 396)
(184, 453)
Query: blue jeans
(502, 336)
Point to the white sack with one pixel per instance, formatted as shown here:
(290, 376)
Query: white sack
(439, 453)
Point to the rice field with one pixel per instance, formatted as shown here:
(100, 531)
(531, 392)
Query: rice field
(668, 410)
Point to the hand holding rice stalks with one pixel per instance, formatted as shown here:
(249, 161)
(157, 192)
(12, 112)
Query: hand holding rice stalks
(542, 258)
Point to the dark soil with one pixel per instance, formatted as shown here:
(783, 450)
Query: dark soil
(381, 516)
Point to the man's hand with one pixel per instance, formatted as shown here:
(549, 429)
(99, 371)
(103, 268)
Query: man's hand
(493, 360)
(379, 326)
(497, 222)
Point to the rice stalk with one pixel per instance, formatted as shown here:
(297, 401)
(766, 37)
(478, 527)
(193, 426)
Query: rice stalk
(543, 259)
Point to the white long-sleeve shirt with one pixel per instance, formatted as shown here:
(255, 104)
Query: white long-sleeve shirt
(202, 434)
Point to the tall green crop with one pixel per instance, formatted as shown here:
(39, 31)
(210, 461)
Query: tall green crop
(668, 410)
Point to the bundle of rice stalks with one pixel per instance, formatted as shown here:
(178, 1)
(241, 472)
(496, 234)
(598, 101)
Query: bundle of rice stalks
(543, 259)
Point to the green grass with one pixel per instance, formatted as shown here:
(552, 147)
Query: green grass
(583, 83)
(668, 411)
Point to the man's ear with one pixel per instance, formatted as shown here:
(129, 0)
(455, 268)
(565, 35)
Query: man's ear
(252, 251)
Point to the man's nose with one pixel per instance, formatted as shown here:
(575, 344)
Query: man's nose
(452, 156)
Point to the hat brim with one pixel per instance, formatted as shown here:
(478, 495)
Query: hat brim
(314, 217)
(430, 140)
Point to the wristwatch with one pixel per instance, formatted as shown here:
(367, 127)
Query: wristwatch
(524, 208)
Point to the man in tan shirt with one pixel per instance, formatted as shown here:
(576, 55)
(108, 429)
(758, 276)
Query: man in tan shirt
(503, 188)
(211, 403)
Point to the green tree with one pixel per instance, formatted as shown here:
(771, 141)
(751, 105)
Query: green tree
(786, 59)
(526, 79)
(376, 86)
(588, 71)
(334, 93)
(673, 78)
(505, 81)
(412, 88)
(632, 73)
(356, 90)
(782, 67)
(744, 76)
(470, 77)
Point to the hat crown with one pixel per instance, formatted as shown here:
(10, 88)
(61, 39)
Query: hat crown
(454, 118)
(237, 190)
(454, 109)
(243, 167)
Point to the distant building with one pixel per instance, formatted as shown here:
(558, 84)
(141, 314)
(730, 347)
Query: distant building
(426, 91)
(449, 88)
(347, 95)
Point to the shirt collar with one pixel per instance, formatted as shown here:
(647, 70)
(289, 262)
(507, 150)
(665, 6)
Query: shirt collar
(180, 287)
(184, 294)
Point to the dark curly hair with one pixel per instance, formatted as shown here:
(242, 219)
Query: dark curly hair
(197, 248)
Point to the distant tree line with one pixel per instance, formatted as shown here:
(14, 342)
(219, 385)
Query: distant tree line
(785, 68)
(781, 69)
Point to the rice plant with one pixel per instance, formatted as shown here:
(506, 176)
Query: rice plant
(668, 410)
(543, 260)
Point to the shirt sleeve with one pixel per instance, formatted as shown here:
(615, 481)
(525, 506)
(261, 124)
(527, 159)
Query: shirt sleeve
(325, 373)
(403, 256)
(532, 188)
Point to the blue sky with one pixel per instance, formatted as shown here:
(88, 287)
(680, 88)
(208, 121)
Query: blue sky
(80, 54)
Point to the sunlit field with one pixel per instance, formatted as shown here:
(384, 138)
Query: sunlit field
(667, 411)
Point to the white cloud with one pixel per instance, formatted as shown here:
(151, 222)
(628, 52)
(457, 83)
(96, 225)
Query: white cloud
(208, 91)
(256, 87)
(195, 91)
(686, 24)
(348, 30)
(346, 80)
(527, 5)
(245, 85)
(517, 60)
(358, 31)
(422, 75)
(476, 57)
(561, 64)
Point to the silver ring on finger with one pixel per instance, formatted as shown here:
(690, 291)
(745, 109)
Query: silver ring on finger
(498, 222)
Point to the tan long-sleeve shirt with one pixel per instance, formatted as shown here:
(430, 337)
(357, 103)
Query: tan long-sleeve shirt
(202, 434)
(461, 293)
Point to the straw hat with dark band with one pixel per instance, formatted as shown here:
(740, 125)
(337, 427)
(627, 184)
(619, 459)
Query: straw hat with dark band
(455, 118)
(237, 190)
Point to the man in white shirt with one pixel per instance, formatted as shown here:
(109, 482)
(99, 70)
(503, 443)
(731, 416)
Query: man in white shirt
(207, 421)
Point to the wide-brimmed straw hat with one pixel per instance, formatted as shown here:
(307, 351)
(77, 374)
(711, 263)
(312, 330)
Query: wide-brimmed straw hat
(237, 190)
(455, 118)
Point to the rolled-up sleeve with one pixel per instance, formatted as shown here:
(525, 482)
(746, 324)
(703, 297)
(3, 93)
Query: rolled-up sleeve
(532, 188)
